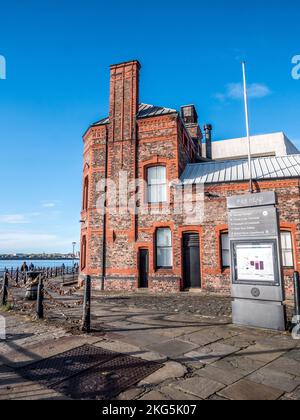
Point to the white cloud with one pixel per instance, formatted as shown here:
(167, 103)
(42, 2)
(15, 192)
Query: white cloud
(236, 91)
(48, 205)
(14, 219)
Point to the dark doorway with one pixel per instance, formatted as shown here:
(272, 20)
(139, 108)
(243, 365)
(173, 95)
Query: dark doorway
(144, 268)
(191, 261)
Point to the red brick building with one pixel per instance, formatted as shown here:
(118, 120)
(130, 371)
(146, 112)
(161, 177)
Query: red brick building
(155, 246)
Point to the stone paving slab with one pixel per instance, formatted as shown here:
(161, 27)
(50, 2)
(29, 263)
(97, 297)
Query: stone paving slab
(208, 354)
(294, 354)
(200, 387)
(177, 395)
(172, 348)
(154, 396)
(171, 370)
(263, 353)
(133, 351)
(141, 339)
(295, 396)
(226, 376)
(245, 390)
(275, 379)
(243, 363)
(287, 365)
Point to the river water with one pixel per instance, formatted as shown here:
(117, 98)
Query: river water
(9, 264)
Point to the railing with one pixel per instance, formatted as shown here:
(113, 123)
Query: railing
(68, 274)
(27, 290)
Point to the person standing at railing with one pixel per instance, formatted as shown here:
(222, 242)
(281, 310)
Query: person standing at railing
(24, 268)
(31, 267)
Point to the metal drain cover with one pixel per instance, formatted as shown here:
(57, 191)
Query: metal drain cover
(57, 368)
(90, 372)
(108, 380)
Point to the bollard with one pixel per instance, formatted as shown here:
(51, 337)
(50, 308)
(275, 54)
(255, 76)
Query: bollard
(4, 293)
(296, 318)
(40, 300)
(297, 293)
(86, 320)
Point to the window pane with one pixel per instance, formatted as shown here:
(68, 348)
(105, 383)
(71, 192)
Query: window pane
(151, 176)
(164, 257)
(287, 249)
(161, 174)
(162, 193)
(288, 259)
(225, 250)
(153, 194)
(157, 184)
(225, 241)
(225, 258)
(286, 240)
(156, 175)
(164, 238)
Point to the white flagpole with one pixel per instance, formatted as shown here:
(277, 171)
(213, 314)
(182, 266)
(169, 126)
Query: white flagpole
(247, 126)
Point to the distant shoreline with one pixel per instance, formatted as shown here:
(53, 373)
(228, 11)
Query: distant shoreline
(38, 259)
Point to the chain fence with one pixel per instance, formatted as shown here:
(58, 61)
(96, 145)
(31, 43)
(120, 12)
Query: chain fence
(43, 293)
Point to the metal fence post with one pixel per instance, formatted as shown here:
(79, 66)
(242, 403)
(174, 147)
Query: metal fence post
(40, 299)
(86, 320)
(4, 294)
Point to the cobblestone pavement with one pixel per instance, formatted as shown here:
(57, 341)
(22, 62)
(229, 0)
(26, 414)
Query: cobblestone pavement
(203, 355)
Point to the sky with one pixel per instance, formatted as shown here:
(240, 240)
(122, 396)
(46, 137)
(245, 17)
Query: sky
(57, 56)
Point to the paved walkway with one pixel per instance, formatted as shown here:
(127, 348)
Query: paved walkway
(203, 357)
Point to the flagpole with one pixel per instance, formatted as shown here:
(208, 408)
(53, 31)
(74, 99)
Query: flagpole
(247, 127)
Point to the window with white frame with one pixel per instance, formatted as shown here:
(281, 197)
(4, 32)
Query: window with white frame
(287, 249)
(164, 249)
(225, 250)
(157, 184)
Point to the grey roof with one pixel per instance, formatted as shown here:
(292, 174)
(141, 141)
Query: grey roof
(144, 112)
(153, 111)
(237, 170)
(101, 122)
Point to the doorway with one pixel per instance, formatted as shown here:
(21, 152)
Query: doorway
(144, 268)
(191, 261)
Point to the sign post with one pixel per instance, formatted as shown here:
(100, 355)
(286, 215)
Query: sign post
(257, 285)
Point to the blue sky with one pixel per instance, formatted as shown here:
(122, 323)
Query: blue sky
(58, 54)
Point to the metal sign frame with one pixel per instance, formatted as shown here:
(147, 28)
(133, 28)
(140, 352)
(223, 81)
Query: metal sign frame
(235, 280)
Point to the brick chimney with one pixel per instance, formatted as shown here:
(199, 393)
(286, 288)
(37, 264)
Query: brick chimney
(208, 140)
(122, 142)
(124, 100)
(190, 119)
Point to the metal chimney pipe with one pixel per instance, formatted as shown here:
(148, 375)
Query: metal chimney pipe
(208, 140)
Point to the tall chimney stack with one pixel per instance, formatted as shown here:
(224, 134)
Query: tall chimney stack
(190, 118)
(208, 140)
(124, 100)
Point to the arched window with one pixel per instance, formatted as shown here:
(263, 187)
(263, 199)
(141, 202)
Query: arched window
(157, 184)
(164, 249)
(85, 200)
(83, 253)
